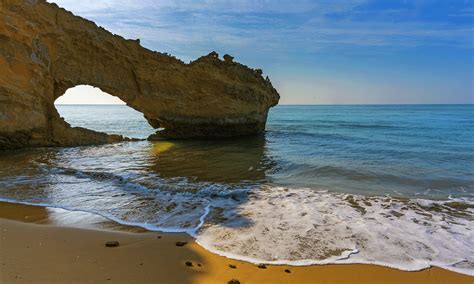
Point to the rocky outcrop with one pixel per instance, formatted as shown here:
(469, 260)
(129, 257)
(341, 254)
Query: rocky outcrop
(44, 50)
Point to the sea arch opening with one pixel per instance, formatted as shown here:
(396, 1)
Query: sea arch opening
(89, 107)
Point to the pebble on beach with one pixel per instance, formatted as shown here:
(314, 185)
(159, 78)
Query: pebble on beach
(233, 281)
(180, 244)
(112, 244)
(262, 266)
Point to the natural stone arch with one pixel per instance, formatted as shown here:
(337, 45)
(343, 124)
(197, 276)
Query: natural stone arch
(44, 50)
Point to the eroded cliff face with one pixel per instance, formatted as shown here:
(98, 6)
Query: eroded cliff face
(44, 50)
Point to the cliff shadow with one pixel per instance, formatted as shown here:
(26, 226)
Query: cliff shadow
(226, 171)
(166, 183)
(232, 160)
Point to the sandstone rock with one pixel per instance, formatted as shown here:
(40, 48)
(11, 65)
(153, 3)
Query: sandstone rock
(44, 50)
(213, 55)
(112, 244)
(228, 58)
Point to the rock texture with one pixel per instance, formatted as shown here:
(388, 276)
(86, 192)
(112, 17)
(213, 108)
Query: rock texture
(44, 50)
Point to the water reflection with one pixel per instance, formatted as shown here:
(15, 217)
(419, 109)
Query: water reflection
(161, 185)
(229, 161)
(60, 217)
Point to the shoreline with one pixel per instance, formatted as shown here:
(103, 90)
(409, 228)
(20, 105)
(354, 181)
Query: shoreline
(40, 244)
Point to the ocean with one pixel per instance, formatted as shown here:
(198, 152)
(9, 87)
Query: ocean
(391, 185)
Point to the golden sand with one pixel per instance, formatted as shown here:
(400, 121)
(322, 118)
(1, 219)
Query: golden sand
(41, 245)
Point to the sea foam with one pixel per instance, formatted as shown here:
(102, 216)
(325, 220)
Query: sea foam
(305, 226)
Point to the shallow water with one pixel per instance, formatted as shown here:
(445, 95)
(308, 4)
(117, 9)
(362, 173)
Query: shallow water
(391, 185)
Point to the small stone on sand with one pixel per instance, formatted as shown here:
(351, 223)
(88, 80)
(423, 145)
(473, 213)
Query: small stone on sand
(232, 266)
(188, 263)
(233, 281)
(262, 266)
(112, 244)
(287, 271)
(180, 244)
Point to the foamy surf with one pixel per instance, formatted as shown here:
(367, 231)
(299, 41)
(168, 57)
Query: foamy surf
(305, 226)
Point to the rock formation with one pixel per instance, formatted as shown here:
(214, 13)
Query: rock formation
(44, 50)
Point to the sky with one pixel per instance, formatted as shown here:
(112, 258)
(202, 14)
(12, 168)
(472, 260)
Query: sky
(315, 52)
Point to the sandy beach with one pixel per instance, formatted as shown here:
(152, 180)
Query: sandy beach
(44, 245)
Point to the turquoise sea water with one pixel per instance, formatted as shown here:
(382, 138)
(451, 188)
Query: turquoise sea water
(387, 184)
(397, 150)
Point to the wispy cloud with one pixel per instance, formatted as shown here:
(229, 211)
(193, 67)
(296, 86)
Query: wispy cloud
(188, 27)
(276, 23)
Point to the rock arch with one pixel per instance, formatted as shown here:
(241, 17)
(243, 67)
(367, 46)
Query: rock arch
(45, 50)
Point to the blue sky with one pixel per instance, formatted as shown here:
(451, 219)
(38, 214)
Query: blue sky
(315, 52)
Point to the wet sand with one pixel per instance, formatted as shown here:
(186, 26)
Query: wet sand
(44, 245)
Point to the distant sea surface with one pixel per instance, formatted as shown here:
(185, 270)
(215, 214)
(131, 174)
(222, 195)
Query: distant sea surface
(385, 184)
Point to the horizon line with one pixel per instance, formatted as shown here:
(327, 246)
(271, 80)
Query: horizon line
(322, 104)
